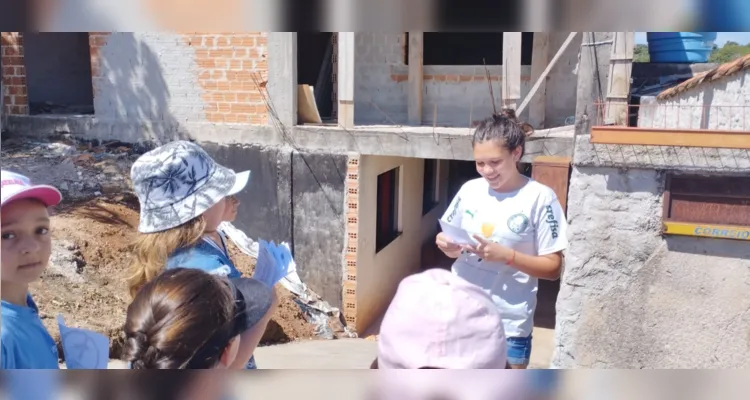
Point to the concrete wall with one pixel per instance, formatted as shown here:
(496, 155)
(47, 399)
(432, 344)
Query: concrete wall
(722, 105)
(58, 66)
(630, 298)
(379, 273)
(318, 224)
(460, 93)
(297, 198)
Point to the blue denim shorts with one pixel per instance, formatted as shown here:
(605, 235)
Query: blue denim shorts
(519, 350)
(251, 364)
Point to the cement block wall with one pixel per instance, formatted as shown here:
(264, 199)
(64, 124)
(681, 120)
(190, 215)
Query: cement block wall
(630, 298)
(723, 104)
(296, 197)
(461, 93)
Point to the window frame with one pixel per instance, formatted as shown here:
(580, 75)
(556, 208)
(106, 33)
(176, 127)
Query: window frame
(385, 235)
(698, 197)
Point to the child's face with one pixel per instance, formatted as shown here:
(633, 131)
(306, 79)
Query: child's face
(215, 215)
(230, 211)
(26, 242)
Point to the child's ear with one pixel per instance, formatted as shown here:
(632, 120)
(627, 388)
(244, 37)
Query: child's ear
(229, 353)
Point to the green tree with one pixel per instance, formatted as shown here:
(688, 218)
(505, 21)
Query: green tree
(641, 53)
(729, 52)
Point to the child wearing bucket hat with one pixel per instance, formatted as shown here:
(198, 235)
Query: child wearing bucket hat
(183, 194)
(26, 250)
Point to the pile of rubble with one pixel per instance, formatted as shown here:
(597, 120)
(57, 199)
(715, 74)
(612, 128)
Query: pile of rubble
(92, 230)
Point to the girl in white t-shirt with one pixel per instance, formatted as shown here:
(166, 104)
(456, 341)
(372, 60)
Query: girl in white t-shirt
(519, 226)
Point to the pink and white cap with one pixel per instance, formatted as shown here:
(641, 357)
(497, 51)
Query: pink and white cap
(439, 320)
(16, 186)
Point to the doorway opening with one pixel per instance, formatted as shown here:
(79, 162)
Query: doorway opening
(316, 69)
(58, 73)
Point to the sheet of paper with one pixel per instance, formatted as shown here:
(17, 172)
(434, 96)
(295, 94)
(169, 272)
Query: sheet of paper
(456, 234)
(83, 349)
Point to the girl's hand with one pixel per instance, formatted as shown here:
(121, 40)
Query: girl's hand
(490, 251)
(445, 245)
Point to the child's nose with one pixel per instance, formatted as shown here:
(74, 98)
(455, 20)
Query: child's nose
(29, 245)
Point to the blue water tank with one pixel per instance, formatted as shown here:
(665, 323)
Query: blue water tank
(725, 15)
(680, 47)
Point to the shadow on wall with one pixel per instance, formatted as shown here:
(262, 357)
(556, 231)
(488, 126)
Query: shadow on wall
(131, 93)
(725, 248)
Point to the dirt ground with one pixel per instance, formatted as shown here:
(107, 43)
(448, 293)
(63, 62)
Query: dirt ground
(92, 231)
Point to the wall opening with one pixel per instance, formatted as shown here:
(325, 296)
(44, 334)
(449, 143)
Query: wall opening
(430, 192)
(58, 73)
(315, 67)
(468, 48)
(387, 226)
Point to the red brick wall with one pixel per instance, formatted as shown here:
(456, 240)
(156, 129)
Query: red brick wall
(97, 40)
(228, 65)
(15, 95)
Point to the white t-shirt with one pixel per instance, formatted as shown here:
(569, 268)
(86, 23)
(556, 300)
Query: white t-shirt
(530, 221)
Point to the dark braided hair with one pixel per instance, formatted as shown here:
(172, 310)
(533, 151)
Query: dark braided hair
(504, 128)
(182, 319)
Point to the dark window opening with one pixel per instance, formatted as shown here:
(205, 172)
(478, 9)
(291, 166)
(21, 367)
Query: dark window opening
(430, 193)
(479, 15)
(716, 200)
(315, 68)
(468, 48)
(387, 228)
(58, 73)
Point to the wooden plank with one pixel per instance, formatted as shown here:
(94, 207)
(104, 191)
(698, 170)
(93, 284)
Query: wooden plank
(732, 232)
(552, 160)
(553, 172)
(416, 77)
(670, 137)
(539, 58)
(345, 77)
(593, 70)
(618, 84)
(511, 84)
(544, 74)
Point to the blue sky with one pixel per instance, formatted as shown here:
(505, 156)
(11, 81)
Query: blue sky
(721, 37)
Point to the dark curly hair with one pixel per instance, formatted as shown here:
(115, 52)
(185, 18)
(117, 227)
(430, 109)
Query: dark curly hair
(182, 319)
(505, 129)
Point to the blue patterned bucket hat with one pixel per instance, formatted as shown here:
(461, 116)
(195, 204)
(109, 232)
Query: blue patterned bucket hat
(178, 182)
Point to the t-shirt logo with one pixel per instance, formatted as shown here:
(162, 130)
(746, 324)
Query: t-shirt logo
(549, 218)
(455, 210)
(518, 223)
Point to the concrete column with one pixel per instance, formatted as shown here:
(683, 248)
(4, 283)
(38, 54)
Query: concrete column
(345, 76)
(511, 69)
(282, 76)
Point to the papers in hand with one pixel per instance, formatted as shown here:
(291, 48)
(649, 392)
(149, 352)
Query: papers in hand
(274, 263)
(456, 234)
(83, 349)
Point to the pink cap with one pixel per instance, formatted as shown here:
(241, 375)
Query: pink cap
(439, 320)
(16, 186)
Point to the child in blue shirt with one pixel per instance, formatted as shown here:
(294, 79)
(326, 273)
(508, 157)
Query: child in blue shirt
(183, 194)
(26, 249)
